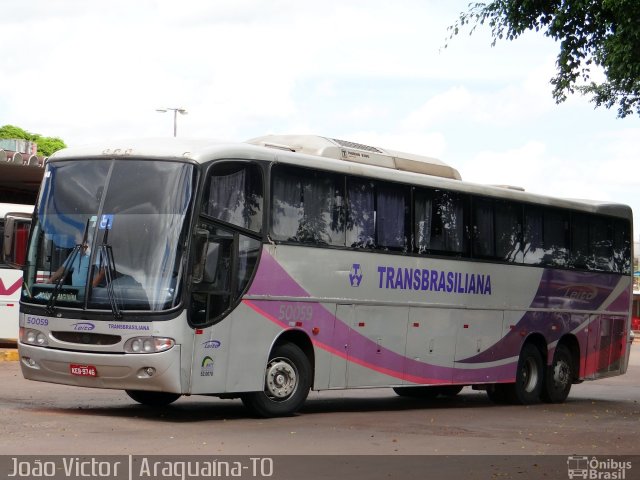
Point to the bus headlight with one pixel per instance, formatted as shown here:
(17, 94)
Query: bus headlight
(148, 344)
(31, 336)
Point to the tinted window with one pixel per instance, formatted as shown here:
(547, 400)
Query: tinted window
(307, 206)
(361, 216)
(621, 247)
(377, 215)
(440, 222)
(556, 238)
(234, 195)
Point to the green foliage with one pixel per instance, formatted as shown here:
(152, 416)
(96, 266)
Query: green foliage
(605, 33)
(11, 132)
(46, 145)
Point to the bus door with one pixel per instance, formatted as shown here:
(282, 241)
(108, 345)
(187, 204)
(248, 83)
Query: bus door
(14, 238)
(228, 245)
(226, 263)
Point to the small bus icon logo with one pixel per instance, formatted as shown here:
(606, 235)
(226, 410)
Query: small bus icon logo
(578, 467)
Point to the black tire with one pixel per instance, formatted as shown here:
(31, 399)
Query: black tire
(529, 377)
(153, 399)
(424, 393)
(559, 376)
(499, 393)
(286, 385)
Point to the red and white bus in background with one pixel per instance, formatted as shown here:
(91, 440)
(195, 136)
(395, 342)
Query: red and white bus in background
(14, 248)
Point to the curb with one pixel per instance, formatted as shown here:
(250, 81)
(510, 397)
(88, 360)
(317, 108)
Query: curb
(8, 355)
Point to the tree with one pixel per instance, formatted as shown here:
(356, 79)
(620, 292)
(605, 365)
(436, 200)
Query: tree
(605, 33)
(47, 146)
(11, 131)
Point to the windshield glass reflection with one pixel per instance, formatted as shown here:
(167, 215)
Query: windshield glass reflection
(108, 235)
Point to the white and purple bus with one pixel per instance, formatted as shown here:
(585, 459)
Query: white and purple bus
(14, 246)
(264, 269)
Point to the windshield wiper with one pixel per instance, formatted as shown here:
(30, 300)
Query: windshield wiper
(108, 263)
(57, 287)
(66, 268)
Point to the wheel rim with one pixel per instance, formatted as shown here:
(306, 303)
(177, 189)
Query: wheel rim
(281, 379)
(561, 373)
(530, 375)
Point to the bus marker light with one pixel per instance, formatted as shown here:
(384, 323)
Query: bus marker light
(30, 362)
(361, 324)
(315, 330)
(416, 324)
(465, 325)
(298, 324)
(199, 331)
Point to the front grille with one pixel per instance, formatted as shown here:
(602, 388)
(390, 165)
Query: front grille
(85, 338)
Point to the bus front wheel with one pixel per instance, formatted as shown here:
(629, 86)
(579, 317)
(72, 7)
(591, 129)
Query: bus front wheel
(286, 384)
(153, 399)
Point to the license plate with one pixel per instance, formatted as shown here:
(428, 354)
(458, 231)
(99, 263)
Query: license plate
(84, 370)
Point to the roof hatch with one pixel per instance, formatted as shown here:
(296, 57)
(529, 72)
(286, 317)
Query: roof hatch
(358, 153)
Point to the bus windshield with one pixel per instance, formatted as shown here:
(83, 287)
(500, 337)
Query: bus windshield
(108, 234)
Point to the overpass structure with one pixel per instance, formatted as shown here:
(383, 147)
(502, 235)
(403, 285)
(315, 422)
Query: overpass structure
(20, 177)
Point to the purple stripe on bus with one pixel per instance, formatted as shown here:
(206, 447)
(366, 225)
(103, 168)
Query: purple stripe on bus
(272, 279)
(559, 289)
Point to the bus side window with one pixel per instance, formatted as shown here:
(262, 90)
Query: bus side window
(533, 234)
(579, 241)
(621, 247)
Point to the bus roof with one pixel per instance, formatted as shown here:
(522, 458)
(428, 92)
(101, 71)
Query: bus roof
(13, 208)
(205, 150)
(358, 153)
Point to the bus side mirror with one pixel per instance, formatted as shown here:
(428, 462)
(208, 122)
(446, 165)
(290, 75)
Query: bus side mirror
(14, 241)
(200, 245)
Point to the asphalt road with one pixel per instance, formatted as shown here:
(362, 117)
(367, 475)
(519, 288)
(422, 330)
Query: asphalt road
(599, 418)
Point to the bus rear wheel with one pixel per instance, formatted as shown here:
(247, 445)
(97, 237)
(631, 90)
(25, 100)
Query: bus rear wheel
(153, 399)
(286, 385)
(529, 377)
(559, 376)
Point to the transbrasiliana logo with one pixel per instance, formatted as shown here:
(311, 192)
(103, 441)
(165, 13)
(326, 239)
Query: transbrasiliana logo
(355, 275)
(597, 469)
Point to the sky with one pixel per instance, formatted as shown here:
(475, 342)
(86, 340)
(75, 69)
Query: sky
(370, 71)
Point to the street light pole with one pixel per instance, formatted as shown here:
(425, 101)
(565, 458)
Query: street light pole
(175, 110)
